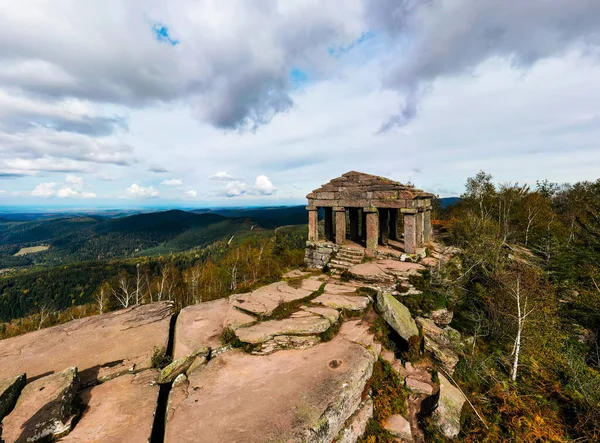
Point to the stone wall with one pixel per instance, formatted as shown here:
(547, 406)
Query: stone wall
(318, 254)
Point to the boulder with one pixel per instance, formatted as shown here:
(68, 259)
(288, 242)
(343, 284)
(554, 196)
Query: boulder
(100, 346)
(439, 342)
(292, 396)
(430, 262)
(43, 411)
(399, 427)
(397, 315)
(9, 393)
(180, 366)
(340, 301)
(441, 317)
(357, 423)
(449, 408)
(118, 410)
(310, 325)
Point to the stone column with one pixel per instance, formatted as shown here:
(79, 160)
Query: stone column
(419, 229)
(372, 224)
(340, 225)
(394, 224)
(384, 226)
(410, 233)
(427, 237)
(353, 213)
(313, 219)
(328, 224)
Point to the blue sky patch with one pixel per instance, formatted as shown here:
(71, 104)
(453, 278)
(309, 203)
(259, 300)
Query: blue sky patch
(298, 76)
(162, 34)
(337, 52)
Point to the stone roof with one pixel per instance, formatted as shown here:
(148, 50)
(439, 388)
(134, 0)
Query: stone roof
(360, 189)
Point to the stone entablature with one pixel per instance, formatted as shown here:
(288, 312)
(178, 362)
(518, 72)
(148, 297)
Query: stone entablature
(373, 205)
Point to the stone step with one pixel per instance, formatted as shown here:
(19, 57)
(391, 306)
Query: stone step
(348, 259)
(351, 257)
(341, 263)
(345, 254)
(338, 267)
(356, 253)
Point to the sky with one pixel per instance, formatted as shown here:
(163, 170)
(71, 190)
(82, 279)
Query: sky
(130, 103)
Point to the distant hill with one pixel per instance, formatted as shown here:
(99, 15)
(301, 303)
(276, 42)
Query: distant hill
(91, 238)
(449, 201)
(275, 216)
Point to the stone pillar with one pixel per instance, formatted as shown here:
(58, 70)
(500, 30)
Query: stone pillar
(372, 224)
(313, 220)
(410, 233)
(328, 224)
(427, 237)
(419, 229)
(353, 213)
(384, 226)
(340, 225)
(394, 224)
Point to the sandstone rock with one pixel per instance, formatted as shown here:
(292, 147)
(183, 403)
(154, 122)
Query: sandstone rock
(441, 317)
(340, 288)
(180, 379)
(237, 319)
(198, 363)
(280, 342)
(450, 403)
(333, 315)
(397, 315)
(100, 346)
(262, 332)
(339, 301)
(118, 410)
(388, 356)
(200, 325)
(266, 299)
(9, 393)
(296, 273)
(418, 387)
(399, 427)
(292, 396)
(357, 331)
(370, 273)
(430, 262)
(43, 411)
(180, 366)
(438, 342)
(311, 284)
(358, 423)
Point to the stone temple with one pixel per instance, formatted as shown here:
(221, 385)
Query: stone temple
(367, 211)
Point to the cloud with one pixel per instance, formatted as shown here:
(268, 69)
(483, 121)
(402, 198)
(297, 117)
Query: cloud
(263, 185)
(452, 38)
(45, 190)
(158, 169)
(172, 182)
(191, 193)
(136, 191)
(221, 177)
(106, 177)
(235, 188)
(54, 189)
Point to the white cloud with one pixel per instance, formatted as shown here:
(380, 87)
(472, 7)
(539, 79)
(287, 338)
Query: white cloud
(45, 190)
(137, 191)
(235, 188)
(172, 182)
(263, 185)
(191, 193)
(76, 181)
(106, 177)
(221, 177)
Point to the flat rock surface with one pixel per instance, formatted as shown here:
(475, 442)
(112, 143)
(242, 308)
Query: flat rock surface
(307, 324)
(43, 408)
(339, 301)
(279, 397)
(118, 410)
(385, 270)
(236, 319)
(333, 315)
(198, 326)
(311, 284)
(10, 389)
(340, 288)
(399, 427)
(98, 346)
(265, 299)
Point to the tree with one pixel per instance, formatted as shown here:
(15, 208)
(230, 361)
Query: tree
(480, 190)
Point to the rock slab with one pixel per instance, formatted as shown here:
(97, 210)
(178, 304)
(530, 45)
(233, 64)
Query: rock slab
(43, 411)
(118, 410)
(9, 393)
(200, 325)
(399, 427)
(340, 301)
(449, 409)
(100, 346)
(292, 396)
(396, 315)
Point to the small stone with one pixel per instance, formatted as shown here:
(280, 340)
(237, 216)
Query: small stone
(418, 387)
(179, 366)
(398, 426)
(388, 356)
(441, 317)
(409, 367)
(180, 379)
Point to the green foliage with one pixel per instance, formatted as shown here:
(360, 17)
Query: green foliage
(160, 359)
(388, 391)
(375, 433)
